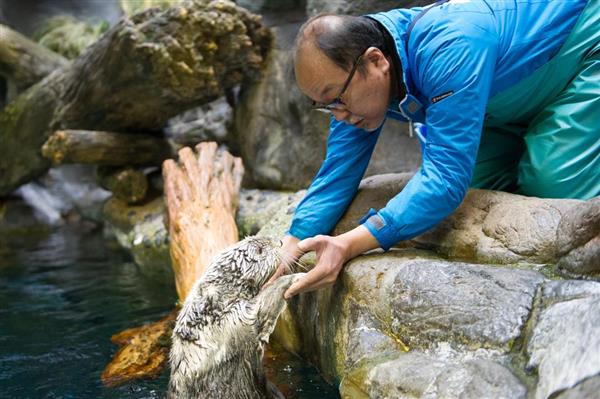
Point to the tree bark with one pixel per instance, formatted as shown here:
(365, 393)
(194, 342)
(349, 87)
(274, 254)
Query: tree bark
(202, 198)
(143, 71)
(105, 148)
(23, 62)
(201, 194)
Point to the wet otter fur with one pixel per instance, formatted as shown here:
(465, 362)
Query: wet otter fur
(221, 331)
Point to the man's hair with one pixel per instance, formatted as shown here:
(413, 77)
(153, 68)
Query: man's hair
(342, 38)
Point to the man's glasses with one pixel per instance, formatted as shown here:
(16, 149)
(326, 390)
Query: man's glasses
(337, 103)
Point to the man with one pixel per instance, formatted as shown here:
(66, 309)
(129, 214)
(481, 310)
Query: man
(508, 95)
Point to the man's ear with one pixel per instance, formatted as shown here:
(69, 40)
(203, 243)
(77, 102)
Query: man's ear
(378, 59)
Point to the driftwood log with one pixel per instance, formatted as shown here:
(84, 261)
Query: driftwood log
(201, 194)
(23, 62)
(105, 148)
(141, 72)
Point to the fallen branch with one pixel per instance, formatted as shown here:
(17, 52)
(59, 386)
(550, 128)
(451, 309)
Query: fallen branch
(105, 148)
(23, 62)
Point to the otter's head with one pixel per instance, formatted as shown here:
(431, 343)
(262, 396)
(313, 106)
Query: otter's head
(245, 267)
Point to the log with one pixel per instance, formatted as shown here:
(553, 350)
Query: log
(152, 339)
(23, 62)
(105, 148)
(128, 185)
(201, 194)
(141, 72)
(202, 199)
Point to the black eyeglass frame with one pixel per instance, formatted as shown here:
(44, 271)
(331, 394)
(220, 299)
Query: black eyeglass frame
(338, 100)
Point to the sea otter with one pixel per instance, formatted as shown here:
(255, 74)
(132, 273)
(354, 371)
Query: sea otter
(225, 322)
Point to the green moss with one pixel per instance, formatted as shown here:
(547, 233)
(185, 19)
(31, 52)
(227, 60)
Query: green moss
(67, 36)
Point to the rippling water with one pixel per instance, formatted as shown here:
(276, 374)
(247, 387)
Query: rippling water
(63, 296)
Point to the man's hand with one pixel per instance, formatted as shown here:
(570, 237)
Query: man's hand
(332, 254)
(290, 253)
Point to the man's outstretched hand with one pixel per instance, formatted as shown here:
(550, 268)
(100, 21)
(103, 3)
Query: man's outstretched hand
(332, 253)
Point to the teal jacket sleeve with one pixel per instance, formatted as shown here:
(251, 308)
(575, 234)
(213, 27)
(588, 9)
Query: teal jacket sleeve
(453, 71)
(349, 150)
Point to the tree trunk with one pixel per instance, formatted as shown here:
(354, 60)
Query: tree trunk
(202, 198)
(140, 73)
(201, 193)
(105, 148)
(23, 62)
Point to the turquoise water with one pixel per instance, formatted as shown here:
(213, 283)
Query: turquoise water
(64, 295)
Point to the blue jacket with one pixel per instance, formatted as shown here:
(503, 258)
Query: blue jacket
(458, 56)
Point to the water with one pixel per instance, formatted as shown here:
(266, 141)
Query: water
(64, 295)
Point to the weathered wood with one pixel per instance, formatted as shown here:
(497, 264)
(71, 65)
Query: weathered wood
(143, 71)
(23, 62)
(202, 197)
(153, 340)
(105, 148)
(201, 193)
(129, 185)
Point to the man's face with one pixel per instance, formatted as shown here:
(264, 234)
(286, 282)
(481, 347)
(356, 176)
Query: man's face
(367, 95)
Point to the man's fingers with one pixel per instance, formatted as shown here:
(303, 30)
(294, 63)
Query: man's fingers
(278, 273)
(305, 283)
(309, 244)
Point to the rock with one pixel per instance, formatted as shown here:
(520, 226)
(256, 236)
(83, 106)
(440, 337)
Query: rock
(385, 304)
(586, 389)
(578, 239)
(358, 7)
(258, 207)
(66, 192)
(564, 345)
(416, 375)
(209, 122)
(141, 229)
(498, 227)
(474, 305)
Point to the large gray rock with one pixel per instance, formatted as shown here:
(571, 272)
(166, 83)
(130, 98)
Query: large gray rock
(208, 122)
(564, 346)
(463, 318)
(415, 375)
(359, 7)
(475, 305)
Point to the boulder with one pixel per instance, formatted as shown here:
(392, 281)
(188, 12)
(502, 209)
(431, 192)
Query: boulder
(416, 375)
(564, 345)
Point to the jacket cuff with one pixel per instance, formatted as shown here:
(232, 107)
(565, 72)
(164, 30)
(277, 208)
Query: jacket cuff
(299, 232)
(383, 232)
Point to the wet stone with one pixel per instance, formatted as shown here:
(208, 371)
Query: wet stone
(564, 346)
(417, 375)
(476, 305)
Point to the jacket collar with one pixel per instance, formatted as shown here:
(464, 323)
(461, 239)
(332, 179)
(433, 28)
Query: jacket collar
(396, 22)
